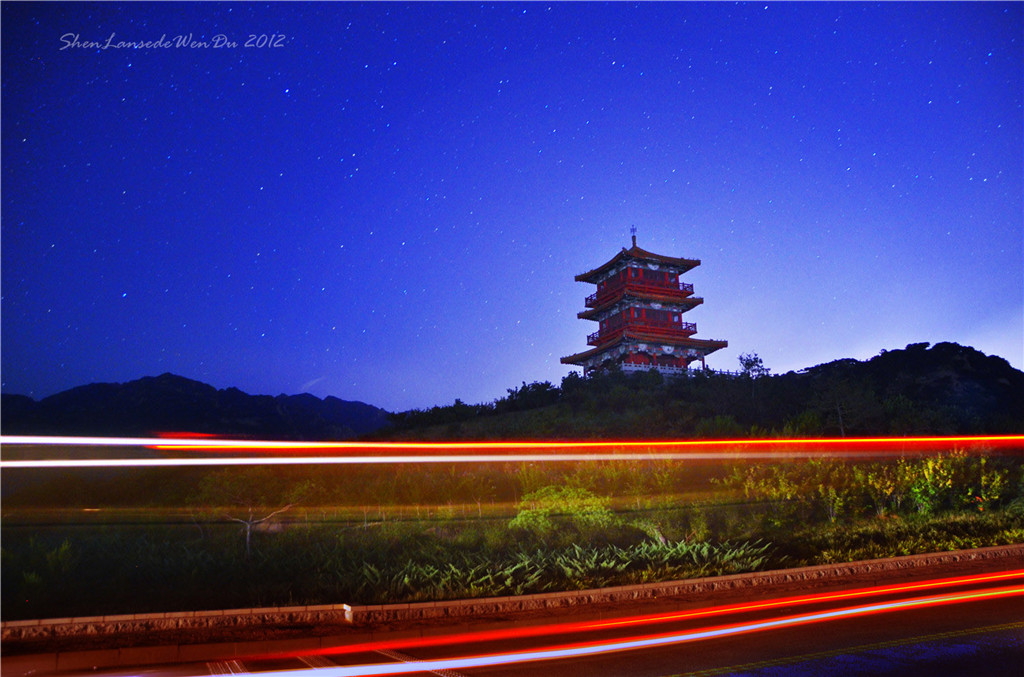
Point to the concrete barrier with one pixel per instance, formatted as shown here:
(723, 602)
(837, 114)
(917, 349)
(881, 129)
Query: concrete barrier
(370, 615)
(366, 616)
(160, 622)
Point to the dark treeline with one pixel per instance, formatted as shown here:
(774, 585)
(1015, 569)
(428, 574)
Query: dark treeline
(944, 389)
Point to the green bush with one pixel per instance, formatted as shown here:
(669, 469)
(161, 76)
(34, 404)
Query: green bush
(541, 509)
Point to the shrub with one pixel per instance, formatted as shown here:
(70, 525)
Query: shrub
(580, 506)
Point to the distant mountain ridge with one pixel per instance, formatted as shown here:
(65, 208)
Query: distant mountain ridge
(170, 403)
(921, 389)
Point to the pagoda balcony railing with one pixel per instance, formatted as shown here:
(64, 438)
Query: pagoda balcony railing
(665, 329)
(680, 290)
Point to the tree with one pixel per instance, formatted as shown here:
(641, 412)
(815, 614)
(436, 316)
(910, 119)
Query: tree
(248, 492)
(574, 390)
(753, 368)
(849, 404)
(752, 365)
(532, 396)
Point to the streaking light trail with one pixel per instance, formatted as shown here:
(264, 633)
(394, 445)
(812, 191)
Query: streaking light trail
(200, 443)
(585, 626)
(499, 452)
(644, 642)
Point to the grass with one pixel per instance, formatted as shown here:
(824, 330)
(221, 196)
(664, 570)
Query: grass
(529, 530)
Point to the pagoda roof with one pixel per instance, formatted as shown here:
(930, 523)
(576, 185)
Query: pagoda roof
(635, 253)
(706, 346)
(686, 303)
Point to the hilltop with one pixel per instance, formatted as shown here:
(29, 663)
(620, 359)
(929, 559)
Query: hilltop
(170, 403)
(944, 389)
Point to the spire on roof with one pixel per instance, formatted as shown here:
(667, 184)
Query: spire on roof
(632, 230)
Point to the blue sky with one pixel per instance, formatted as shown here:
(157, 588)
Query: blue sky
(391, 205)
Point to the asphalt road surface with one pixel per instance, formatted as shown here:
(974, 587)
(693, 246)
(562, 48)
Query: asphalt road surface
(952, 626)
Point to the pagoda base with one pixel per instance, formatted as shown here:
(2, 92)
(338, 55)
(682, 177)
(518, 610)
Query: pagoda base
(662, 369)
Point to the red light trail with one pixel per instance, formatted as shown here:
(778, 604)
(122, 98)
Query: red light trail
(500, 452)
(173, 441)
(649, 641)
(566, 628)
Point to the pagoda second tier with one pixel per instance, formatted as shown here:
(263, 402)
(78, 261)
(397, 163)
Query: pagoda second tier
(677, 293)
(624, 301)
(638, 306)
(639, 315)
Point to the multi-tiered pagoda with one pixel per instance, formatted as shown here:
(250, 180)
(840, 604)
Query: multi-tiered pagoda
(639, 306)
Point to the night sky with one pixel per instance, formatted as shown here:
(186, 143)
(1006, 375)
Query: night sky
(391, 205)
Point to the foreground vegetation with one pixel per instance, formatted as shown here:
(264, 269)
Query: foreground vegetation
(502, 530)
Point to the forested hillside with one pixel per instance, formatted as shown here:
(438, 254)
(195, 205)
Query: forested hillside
(944, 389)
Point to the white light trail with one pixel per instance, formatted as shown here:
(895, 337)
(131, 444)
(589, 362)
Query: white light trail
(638, 643)
(343, 460)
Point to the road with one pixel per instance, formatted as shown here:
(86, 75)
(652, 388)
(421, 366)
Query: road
(948, 627)
(969, 625)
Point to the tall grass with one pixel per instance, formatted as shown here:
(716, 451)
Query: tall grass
(103, 571)
(521, 529)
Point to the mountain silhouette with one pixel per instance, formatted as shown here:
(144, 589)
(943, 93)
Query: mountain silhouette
(173, 404)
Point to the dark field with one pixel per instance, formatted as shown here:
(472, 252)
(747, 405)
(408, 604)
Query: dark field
(82, 543)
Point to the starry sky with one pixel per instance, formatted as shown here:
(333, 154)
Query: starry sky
(388, 202)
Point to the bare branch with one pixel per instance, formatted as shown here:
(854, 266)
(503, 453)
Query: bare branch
(264, 519)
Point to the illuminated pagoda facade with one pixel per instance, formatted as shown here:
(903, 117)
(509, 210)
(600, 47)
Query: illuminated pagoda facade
(638, 306)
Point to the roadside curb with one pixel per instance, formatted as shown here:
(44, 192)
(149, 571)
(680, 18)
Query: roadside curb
(362, 619)
(371, 615)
